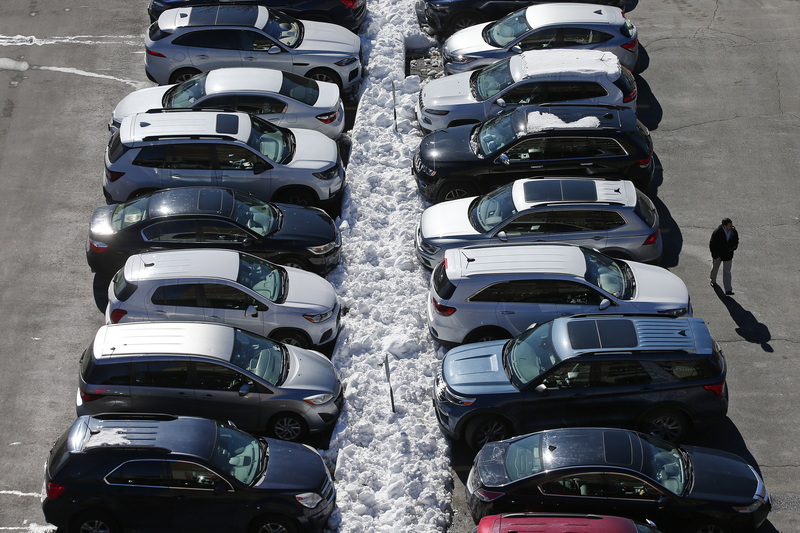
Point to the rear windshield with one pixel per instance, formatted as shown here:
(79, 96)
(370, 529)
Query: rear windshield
(115, 147)
(108, 374)
(58, 455)
(123, 289)
(156, 33)
(444, 287)
(691, 369)
(626, 29)
(303, 89)
(644, 209)
(626, 82)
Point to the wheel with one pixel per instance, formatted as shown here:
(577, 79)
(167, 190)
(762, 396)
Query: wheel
(95, 522)
(666, 424)
(287, 426)
(710, 526)
(486, 334)
(454, 191)
(323, 74)
(464, 19)
(295, 196)
(273, 524)
(295, 262)
(292, 338)
(486, 429)
(183, 74)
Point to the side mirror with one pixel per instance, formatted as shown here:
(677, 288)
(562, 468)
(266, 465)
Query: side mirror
(541, 389)
(251, 311)
(517, 49)
(604, 304)
(503, 158)
(244, 390)
(274, 49)
(500, 102)
(501, 235)
(248, 241)
(662, 503)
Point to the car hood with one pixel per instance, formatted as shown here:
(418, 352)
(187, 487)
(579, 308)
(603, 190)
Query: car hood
(313, 150)
(448, 91)
(477, 368)
(308, 292)
(468, 41)
(657, 288)
(101, 221)
(305, 226)
(449, 145)
(447, 219)
(328, 39)
(721, 476)
(140, 101)
(311, 371)
(292, 467)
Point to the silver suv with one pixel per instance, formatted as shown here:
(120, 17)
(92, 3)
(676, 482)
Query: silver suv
(209, 370)
(189, 147)
(224, 286)
(482, 293)
(188, 40)
(611, 216)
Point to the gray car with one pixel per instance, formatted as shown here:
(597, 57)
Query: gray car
(209, 370)
(188, 40)
(609, 215)
(543, 26)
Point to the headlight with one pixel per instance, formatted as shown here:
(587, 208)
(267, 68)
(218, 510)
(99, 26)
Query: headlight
(329, 174)
(319, 399)
(309, 499)
(320, 317)
(346, 61)
(321, 250)
(437, 112)
(675, 312)
(461, 59)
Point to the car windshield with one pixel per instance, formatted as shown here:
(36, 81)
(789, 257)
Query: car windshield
(524, 457)
(666, 463)
(265, 358)
(277, 144)
(530, 355)
(186, 93)
(606, 273)
(241, 455)
(495, 134)
(489, 210)
(129, 213)
(299, 88)
(283, 28)
(491, 80)
(507, 29)
(266, 279)
(257, 215)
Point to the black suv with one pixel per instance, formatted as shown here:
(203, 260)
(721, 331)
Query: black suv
(347, 13)
(448, 16)
(552, 141)
(181, 474)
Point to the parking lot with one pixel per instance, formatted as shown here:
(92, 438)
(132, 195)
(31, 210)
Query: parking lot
(717, 88)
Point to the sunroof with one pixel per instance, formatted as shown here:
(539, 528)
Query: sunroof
(227, 124)
(595, 334)
(557, 190)
(241, 15)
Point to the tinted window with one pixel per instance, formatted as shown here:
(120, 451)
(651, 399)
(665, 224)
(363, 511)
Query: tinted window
(527, 150)
(220, 231)
(171, 231)
(605, 147)
(184, 295)
(211, 376)
(226, 102)
(123, 289)
(689, 369)
(541, 39)
(194, 156)
(574, 293)
(583, 37)
(259, 105)
(443, 287)
(529, 93)
(644, 209)
(191, 476)
(167, 374)
(568, 148)
(148, 473)
(115, 147)
(569, 375)
(108, 374)
(528, 223)
(226, 39)
(520, 291)
(151, 156)
(226, 297)
(299, 88)
(232, 157)
(569, 221)
(558, 91)
(616, 373)
(255, 41)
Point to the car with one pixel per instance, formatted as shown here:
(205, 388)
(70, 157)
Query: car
(664, 375)
(561, 523)
(188, 40)
(608, 215)
(347, 13)
(443, 17)
(197, 147)
(212, 217)
(543, 26)
(286, 304)
(155, 472)
(530, 141)
(534, 77)
(490, 292)
(212, 371)
(685, 489)
(283, 98)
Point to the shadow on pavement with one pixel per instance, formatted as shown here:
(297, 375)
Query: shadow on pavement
(749, 328)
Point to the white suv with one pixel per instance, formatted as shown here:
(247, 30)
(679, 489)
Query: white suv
(484, 293)
(287, 304)
(195, 147)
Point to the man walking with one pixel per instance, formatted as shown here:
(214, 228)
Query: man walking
(724, 240)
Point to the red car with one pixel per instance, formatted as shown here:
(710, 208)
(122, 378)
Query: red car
(560, 523)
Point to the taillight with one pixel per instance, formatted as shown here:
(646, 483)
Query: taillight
(86, 397)
(150, 52)
(630, 96)
(97, 246)
(117, 314)
(717, 388)
(327, 118)
(488, 495)
(350, 3)
(443, 310)
(645, 162)
(630, 46)
(114, 175)
(54, 490)
(652, 238)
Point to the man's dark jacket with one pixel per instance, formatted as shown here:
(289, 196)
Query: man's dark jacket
(721, 247)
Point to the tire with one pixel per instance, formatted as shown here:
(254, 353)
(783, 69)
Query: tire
(295, 262)
(486, 334)
(296, 196)
(95, 522)
(324, 74)
(273, 524)
(456, 190)
(486, 429)
(710, 526)
(287, 426)
(183, 74)
(292, 338)
(667, 424)
(464, 19)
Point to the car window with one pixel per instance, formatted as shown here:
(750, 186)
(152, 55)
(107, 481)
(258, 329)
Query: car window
(275, 143)
(561, 91)
(220, 231)
(191, 476)
(492, 208)
(615, 373)
(520, 291)
(491, 80)
(546, 38)
(605, 147)
(259, 105)
(629, 487)
(524, 93)
(219, 296)
(186, 93)
(687, 369)
(568, 148)
(507, 29)
(284, 28)
(115, 147)
(256, 41)
(299, 88)
(232, 157)
(442, 286)
(265, 278)
(263, 357)
(211, 376)
(225, 102)
(645, 209)
(569, 375)
(108, 374)
(584, 36)
(527, 150)
(193, 156)
(151, 156)
(150, 473)
(171, 231)
(575, 293)
(164, 374)
(528, 224)
(180, 295)
(575, 220)
(123, 289)
(215, 38)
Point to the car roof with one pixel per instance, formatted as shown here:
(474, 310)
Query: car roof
(572, 13)
(243, 79)
(145, 338)
(532, 191)
(537, 118)
(190, 201)
(564, 64)
(515, 259)
(184, 123)
(251, 16)
(571, 447)
(177, 264)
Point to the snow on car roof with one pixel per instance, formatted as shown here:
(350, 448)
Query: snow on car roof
(566, 63)
(538, 121)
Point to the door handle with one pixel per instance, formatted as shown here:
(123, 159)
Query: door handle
(507, 312)
(597, 237)
(249, 58)
(537, 166)
(586, 164)
(566, 314)
(159, 312)
(202, 56)
(215, 317)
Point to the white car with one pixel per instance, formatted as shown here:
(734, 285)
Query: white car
(535, 77)
(482, 293)
(283, 98)
(543, 26)
(284, 303)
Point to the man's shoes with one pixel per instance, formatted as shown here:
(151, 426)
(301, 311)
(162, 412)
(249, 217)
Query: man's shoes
(729, 293)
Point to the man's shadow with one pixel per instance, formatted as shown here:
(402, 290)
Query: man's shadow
(749, 328)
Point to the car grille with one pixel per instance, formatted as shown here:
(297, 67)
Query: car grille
(417, 163)
(327, 492)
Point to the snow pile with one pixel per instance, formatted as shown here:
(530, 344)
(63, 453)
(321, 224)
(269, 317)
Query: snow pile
(567, 63)
(538, 121)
